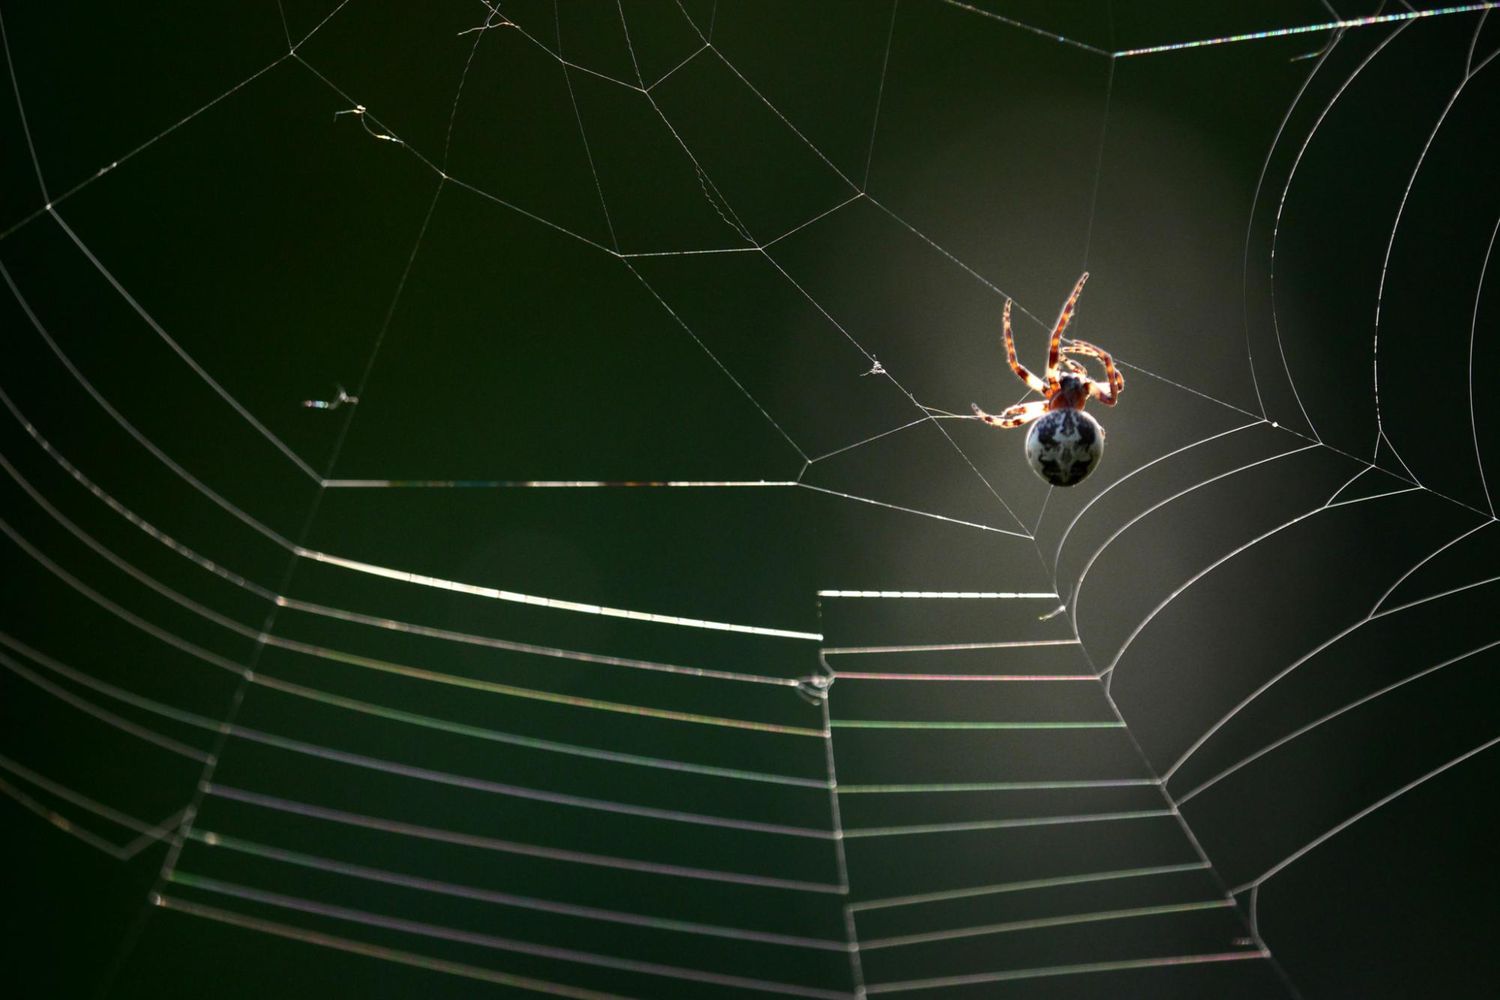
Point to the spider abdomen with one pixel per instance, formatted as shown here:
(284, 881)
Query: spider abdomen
(1063, 446)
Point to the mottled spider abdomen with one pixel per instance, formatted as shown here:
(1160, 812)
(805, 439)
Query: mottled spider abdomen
(1063, 446)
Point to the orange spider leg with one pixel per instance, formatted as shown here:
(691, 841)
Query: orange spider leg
(1063, 318)
(1108, 392)
(1036, 384)
(1073, 366)
(1015, 416)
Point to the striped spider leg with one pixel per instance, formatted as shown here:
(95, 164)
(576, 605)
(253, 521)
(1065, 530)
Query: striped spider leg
(1052, 384)
(1064, 443)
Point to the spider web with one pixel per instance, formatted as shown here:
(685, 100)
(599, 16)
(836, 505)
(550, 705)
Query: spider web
(482, 494)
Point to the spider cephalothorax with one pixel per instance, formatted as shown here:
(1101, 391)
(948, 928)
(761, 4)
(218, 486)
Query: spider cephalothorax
(1064, 443)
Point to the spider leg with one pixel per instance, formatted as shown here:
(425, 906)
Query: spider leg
(1108, 392)
(1063, 319)
(1021, 370)
(1015, 416)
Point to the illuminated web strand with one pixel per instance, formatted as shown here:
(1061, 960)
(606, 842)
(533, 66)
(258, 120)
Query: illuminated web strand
(532, 649)
(557, 604)
(795, 131)
(384, 665)
(49, 815)
(942, 647)
(1119, 362)
(1057, 554)
(971, 726)
(78, 799)
(736, 223)
(496, 593)
(711, 191)
(1197, 846)
(572, 65)
(1375, 496)
(481, 842)
(1385, 263)
(1423, 562)
(131, 429)
(1041, 922)
(911, 510)
(885, 65)
(1341, 827)
(53, 201)
(15, 86)
(1027, 885)
(297, 690)
(588, 150)
(1063, 970)
(463, 891)
(103, 715)
(1473, 329)
(518, 791)
(862, 676)
(840, 852)
(1054, 36)
(1441, 594)
(1192, 580)
(188, 359)
(362, 112)
(306, 748)
(1346, 484)
(107, 689)
(716, 202)
(123, 565)
(1003, 824)
(1224, 720)
(533, 743)
(1260, 184)
(943, 595)
(1339, 25)
(1281, 208)
(1077, 594)
(458, 93)
(864, 441)
(305, 606)
(150, 529)
(684, 253)
(367, 950)
(995, 786)
(1330, 716)
(905, 392)
(663, 78)
(150, 628)
(534, 694)
(322, 652)
(549, 483)
(1254, 205)
(817, 218)
(494, 942)
(294, 46)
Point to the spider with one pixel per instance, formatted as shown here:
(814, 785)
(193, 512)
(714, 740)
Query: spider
(1064, 443)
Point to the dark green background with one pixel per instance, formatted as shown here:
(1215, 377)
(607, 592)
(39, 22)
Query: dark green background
(512, 291)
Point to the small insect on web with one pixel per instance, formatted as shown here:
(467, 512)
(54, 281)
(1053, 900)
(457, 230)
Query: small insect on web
(1064, 443)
